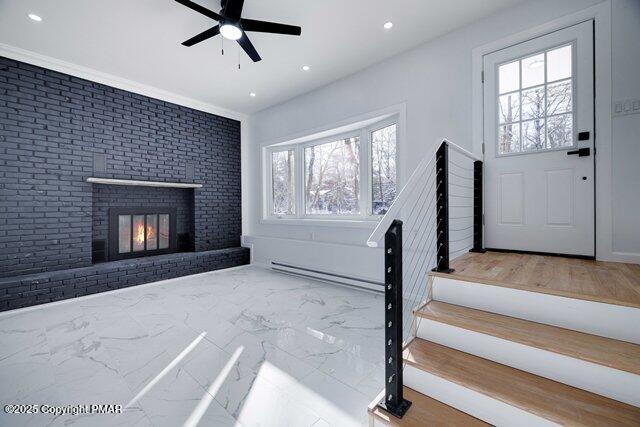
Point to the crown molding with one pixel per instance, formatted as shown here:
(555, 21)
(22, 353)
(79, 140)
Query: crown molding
(86, 73)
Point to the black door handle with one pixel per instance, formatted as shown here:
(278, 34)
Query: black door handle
(581, 152)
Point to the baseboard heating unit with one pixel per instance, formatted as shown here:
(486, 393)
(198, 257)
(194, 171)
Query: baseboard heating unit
(356, 282)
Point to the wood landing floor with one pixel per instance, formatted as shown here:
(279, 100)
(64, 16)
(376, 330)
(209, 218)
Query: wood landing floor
(608, 282)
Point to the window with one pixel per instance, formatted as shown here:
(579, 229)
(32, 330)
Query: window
(332, 172)
(535, 102)
(350, 175)
(383, 169)
(283, 182)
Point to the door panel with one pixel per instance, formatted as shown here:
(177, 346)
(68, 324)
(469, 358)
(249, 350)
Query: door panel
(538, 95)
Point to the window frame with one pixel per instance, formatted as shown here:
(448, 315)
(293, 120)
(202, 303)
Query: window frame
(365, 174)
(545, 85)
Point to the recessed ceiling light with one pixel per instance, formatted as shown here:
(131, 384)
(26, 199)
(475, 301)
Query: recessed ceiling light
(388, 25)
(34, 17)
(305, 68)
(252, 94)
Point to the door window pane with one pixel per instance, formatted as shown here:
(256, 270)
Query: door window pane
(283, 182)
(383, 169)
(533, 103)
(559, 98)
(332, 184)
(560, 131)
(163, 231)
(510, 108)
(138, 233)
(559, 63)
(509, 77)
(537, 112)
(152, 232)
(124, 233)
(509, 138)
(533, 135)
(533, 70)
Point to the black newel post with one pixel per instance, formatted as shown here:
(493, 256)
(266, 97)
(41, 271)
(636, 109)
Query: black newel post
(393, 401)
(442, 206)
(477, 208)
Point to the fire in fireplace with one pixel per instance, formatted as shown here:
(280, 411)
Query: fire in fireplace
(136, 232)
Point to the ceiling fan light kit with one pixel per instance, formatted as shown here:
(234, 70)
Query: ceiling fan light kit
(232, 26)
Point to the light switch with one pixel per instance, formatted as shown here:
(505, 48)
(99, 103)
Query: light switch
(625, 107)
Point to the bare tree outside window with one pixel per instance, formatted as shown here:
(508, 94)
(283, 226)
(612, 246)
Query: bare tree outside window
(383, 169)
(332, 172)
(283, 182)
(535, 109)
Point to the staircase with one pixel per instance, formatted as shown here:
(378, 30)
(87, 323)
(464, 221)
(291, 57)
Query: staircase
(471, 350)
(467, 365)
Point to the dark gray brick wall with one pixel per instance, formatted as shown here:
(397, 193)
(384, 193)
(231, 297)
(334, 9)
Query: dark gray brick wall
(28, 290)
(52, 124)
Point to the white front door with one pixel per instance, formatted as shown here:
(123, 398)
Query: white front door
(538, 113)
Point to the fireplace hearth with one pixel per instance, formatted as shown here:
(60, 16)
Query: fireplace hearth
(141, 231)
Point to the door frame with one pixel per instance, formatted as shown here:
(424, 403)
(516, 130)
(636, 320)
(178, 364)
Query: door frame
(601, 15)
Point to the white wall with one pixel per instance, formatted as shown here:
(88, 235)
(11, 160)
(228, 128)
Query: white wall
(626, 130)
(434, 82)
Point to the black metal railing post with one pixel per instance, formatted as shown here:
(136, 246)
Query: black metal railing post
(477, 208)
(393, 401)
(442, 209)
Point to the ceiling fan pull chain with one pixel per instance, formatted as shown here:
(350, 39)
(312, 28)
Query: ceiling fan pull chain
(222, 43)
(238, 57)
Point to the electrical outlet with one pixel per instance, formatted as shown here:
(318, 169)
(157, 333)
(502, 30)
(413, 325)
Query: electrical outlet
(626, 107)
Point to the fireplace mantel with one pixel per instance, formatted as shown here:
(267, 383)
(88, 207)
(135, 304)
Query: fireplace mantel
(130, 182)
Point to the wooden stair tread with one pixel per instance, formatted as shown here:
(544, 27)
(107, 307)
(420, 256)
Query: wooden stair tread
(591, 348)
(598, 281)
(548, 399)
(424, 411)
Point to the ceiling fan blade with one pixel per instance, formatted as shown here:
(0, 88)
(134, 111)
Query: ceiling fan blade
(249, 48)
(202, 36)
(270, 27)
(233, 9)
(200, 9)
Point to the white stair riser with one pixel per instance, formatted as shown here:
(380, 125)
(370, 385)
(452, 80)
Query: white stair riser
(466, 400)
(607, 320)
(613, 383)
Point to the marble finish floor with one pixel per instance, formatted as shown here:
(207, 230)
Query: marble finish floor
(244, 346)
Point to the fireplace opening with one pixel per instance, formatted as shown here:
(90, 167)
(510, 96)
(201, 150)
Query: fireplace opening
(143, 231)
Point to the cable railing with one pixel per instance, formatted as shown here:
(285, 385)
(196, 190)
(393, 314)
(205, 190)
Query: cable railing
(436, 217)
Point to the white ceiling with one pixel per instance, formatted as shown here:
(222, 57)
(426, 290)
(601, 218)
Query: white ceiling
(140, 40)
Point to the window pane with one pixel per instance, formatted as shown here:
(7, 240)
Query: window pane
(332, 177)
(533, 70)
(559, 97)
(138, 233)
(533, 103)
(559, 64)
(283, 182)
(509, 138)
(510, 108)
(509, 77)
(560, 131)
(124, 233)
(163, 231)
(383, 169)
(533, 136)
(152, 232)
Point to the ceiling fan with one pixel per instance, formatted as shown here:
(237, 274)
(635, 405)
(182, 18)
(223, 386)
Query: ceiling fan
(233, 27)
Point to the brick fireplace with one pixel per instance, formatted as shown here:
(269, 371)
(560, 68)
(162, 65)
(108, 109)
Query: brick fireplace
(57, 133)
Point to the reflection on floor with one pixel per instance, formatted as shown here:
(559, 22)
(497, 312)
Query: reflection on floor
(243, 346)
